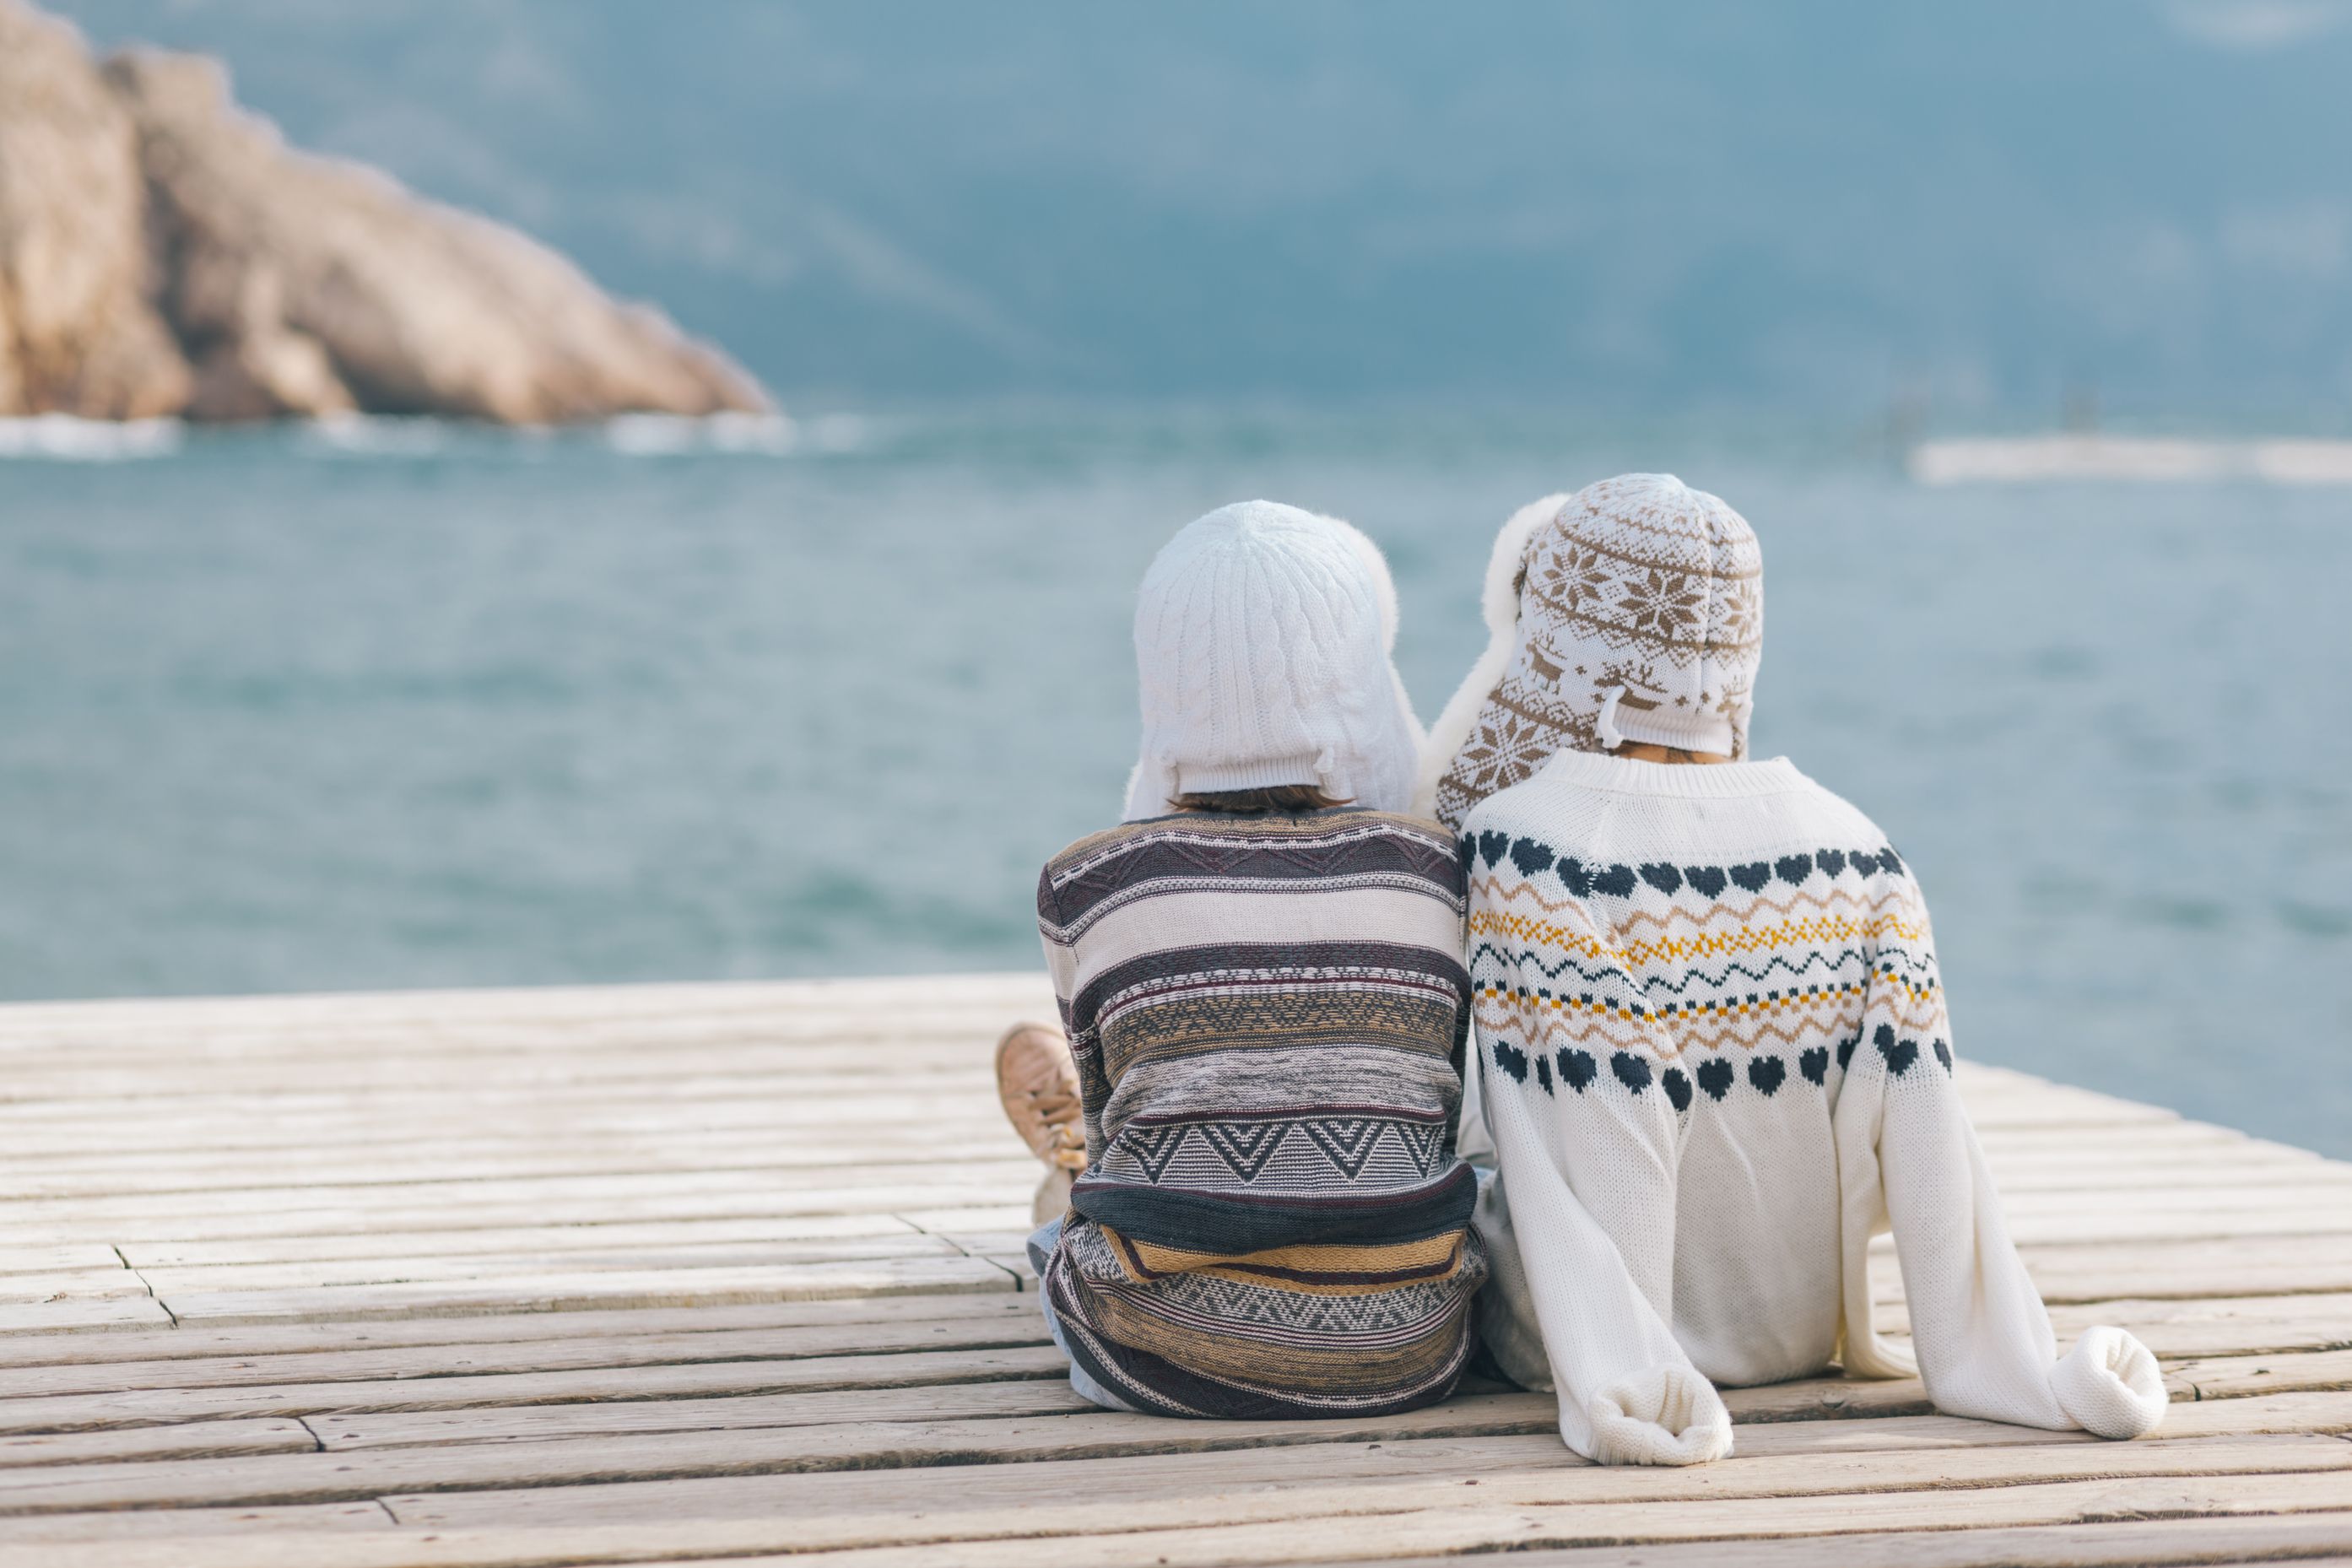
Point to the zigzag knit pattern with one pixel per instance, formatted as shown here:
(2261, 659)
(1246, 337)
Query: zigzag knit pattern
(1714, 1059)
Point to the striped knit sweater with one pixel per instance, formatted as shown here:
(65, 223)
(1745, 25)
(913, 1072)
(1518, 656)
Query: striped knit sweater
(1269, 1016)
(1715, 1061)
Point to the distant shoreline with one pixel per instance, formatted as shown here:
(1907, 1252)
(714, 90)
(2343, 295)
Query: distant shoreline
(66, 437)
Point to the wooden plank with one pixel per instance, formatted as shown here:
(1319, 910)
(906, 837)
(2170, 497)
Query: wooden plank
(570, 1353)
(692, 1380)
(2208, 1267)
(322, 1148)
(70, 1285)
(2239, 1325)
(77, 1315)
(832, 1188)
(524, 1013)
(786, 1097)
(2099, 1180)
(1050, 1484)
(961, 1318)
(2098, 1225)
(2329, 1185)
(27, 1190)
(515, 1240)
(1398, 1519)
(2234, 1377)
(1050, 1396)
(2123, 1543)
(308, 1060)
(558, 1292)
(2259, 1266)
(403, 1268)
(1492, 1525)
(184, 1526)
(62, 1258)
(190, 1440)
(781, 1201)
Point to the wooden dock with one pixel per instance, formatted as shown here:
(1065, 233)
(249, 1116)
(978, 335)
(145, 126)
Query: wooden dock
(665, 1274)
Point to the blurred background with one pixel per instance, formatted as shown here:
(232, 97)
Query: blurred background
(2023, 334)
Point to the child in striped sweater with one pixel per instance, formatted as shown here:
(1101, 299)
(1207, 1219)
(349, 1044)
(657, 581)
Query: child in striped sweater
(1266, 1010)
(1714, 1055)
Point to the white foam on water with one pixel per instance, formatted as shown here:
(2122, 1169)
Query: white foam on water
(671, 435)
(376, 435)
(2040, 459)
(67, 438)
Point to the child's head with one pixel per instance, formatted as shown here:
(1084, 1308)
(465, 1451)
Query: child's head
(1262, 637)
(1629, 613)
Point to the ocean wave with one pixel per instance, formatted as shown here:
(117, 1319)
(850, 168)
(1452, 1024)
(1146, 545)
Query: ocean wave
(377, 434)
(758, 435)
(2153, 459)
(66, 437)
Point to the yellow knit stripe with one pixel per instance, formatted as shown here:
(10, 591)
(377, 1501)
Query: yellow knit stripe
(1811, 930)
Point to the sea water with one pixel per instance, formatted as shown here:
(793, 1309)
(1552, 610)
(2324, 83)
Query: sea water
(400, 704)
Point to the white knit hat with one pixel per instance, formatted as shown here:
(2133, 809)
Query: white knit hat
(1632, 610)
(1262, 637)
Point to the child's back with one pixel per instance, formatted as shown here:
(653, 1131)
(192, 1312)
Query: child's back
(1267, 1013)
(1713, 1052)
(1673, 968)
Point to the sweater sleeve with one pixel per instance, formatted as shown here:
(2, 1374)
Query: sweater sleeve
(1587, 1123)
(1908, 1158)
(1086, 1046)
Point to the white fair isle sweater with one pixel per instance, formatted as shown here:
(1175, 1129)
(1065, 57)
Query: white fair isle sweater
(1713, 1062)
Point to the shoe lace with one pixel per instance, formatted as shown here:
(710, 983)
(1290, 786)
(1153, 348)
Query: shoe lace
(1058, 1106)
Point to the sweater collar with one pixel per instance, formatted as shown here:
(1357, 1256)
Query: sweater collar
(1704, 781)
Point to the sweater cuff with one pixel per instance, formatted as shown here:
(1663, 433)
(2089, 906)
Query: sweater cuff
(2109, 1385)
(1667, 1415)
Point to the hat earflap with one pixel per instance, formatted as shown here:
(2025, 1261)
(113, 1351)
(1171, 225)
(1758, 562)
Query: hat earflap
(1499, 603)
(1150, 789)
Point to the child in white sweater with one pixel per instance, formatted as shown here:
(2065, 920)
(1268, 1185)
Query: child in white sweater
(1714, 1057)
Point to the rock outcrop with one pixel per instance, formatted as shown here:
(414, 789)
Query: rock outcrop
(162, 251)
(80, 333)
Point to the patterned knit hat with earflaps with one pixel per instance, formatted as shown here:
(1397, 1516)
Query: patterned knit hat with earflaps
(1262, 637)
(1630, 611)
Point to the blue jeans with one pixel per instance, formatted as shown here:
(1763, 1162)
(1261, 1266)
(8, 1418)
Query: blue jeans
(1042, 1242)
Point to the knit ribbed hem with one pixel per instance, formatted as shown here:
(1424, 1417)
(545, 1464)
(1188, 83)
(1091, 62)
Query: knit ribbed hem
(1718, 781)
(1262, 774)
(1703, 733)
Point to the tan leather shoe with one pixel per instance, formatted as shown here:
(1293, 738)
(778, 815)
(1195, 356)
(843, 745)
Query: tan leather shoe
(1038, 1083)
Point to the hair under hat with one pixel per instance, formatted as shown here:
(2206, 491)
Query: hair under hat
(1263, 636)
(1630, 611)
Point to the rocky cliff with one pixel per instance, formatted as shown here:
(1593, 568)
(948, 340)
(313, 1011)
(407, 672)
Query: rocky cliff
(162, 251)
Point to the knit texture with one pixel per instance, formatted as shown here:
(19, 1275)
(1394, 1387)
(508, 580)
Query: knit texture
(1262, 638)
(1715, 1061)
(1268, 1016)
(1630, 611)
